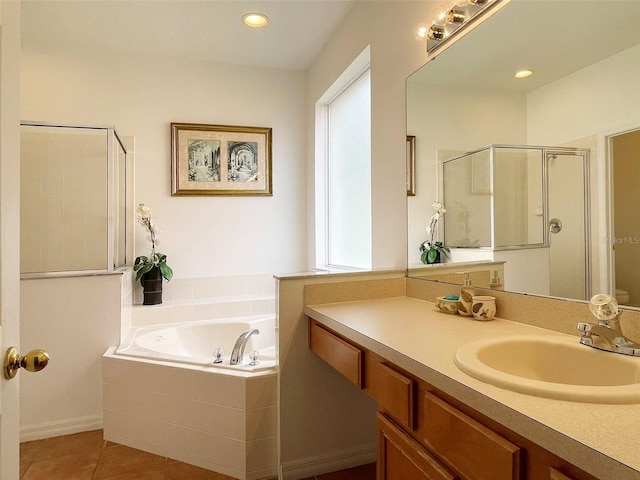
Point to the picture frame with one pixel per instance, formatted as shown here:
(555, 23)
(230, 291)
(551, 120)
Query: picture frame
(411, 165)
(220, 160)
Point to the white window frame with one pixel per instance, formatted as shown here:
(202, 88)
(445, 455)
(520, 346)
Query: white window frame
(359, 67)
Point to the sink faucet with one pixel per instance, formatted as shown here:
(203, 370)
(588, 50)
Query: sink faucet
(241, 343)
(609, 336)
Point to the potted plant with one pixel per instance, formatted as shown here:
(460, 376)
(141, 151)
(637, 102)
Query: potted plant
(150, 271)
(432, 251)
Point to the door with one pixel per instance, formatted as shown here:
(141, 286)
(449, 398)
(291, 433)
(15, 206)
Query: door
(9, 231)
(623, 157)
(568, 224)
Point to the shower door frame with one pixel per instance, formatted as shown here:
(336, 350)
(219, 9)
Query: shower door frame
(112, 137)
(586, 234)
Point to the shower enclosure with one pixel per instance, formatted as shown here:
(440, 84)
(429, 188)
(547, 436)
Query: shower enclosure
(74, 200)
(505, 200)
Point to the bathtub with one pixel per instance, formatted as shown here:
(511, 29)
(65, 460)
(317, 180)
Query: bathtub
(195, 342)
(163, 394)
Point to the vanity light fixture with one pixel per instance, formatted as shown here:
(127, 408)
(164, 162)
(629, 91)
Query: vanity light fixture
(255, 20)
(523, 73)
(451, 20)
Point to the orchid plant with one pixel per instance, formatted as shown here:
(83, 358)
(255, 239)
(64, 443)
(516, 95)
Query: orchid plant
(430, 249)
(145, 264)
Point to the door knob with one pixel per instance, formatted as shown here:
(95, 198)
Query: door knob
(555, 225)
(34, 361)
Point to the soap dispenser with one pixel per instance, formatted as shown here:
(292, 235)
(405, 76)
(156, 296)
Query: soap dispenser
(466, 296)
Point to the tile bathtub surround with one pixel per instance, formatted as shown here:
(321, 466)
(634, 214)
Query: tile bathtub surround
(186, 289)
(222, 423)
(204, 309)
(188, 300)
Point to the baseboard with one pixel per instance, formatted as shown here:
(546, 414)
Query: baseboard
(308, 467)
(60, 427)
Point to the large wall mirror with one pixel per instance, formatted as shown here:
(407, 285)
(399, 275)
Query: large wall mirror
(580, 108)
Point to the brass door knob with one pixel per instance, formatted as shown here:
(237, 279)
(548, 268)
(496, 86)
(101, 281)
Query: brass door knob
(34, 361)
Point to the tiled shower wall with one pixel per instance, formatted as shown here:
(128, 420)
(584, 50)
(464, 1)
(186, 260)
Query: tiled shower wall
(63, 199)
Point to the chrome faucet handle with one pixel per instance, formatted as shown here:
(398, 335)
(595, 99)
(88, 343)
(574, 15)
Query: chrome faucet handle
(604, 307)
(218, 352)
(253, 357)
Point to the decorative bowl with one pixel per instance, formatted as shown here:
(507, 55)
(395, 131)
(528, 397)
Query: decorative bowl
(448, 305)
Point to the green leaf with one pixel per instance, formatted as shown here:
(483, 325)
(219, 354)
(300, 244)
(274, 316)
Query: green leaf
(145, 268)
(432, 254)
(165, 270)
(140, 261)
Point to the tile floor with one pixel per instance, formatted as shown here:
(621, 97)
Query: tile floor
(86, 456)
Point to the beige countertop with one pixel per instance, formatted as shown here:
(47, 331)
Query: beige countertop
(602, 439)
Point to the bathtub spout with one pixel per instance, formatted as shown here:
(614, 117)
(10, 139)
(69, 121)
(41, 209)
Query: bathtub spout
(241, 343)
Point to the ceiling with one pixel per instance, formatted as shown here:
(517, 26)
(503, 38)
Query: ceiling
(194, 29)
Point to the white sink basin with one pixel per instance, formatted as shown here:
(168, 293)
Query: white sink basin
(553, 367)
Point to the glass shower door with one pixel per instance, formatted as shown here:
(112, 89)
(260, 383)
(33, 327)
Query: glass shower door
(568, 224)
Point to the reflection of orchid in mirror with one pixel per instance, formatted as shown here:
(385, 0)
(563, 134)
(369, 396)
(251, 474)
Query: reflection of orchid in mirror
(432, 225)
(431, 249)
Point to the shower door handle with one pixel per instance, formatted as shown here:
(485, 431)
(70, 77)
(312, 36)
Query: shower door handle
(555, 225)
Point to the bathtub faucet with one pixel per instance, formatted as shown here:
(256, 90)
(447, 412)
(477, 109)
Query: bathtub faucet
(238, 348)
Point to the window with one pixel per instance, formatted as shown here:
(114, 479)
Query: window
(343, 170)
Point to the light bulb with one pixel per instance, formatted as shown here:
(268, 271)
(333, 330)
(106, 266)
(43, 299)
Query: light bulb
(420, 31)
(523, 73)
(255, 20)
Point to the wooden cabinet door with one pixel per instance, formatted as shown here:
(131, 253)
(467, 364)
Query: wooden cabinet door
(400, 457)
(474, 450)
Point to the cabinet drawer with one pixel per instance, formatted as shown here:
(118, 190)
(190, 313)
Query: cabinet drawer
(477, 452)
(394, 393)
(344, 357)
(400, 457)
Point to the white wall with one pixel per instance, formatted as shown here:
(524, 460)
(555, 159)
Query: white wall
(141, 96)
(74, 320)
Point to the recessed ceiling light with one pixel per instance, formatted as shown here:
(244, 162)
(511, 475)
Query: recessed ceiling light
(523, 74)
(255, 20)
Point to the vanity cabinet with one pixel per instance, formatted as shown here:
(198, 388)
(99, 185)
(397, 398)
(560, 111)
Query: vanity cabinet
(425, 434)
(400, 457)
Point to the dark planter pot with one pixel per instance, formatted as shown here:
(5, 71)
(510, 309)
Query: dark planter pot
(152, 287)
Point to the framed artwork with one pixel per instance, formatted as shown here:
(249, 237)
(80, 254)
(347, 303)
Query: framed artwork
(411, 165)
(220, 160)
